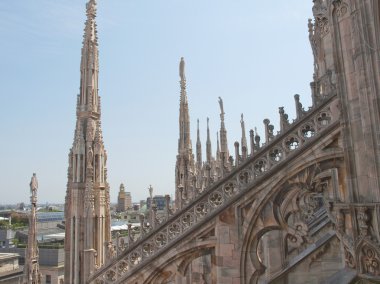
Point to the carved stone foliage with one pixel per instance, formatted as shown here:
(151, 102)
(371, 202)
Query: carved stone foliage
(310, 203)
(320, 252)
(322, 25)
(362, 218)
(319, 8)
(324, 87)
(370, 262)
(299, 211)
(110, 275)
(340, 8)
(320, 13)
(220, 195)
(349, 258)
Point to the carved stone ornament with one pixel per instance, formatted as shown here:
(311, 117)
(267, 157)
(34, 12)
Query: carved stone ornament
(309, 204)
(90, 132)
(111, 275)
(111, 252)
(349, 259)
(319, 8)
(340, 224)
(322, 25)
(370, 261)
(341, 8)
(319, 253)
(362, 218)
(320, 15)
(90, 157)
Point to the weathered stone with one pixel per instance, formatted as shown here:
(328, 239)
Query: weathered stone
(297, 209)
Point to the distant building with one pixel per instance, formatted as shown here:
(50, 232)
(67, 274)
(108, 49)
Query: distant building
(124, 200)
(6, 237)
(159, 200)
(51, 252)
(51, 262)
(10, 271)
(136, 206)
(142, 204)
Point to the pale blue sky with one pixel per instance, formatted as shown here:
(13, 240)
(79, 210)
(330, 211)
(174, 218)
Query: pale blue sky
(254, 54)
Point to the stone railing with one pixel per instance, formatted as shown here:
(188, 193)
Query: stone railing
(219, 195)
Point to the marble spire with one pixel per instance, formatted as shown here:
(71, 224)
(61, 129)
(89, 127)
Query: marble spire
(208, 144)
(199, 147)
(87, 212)
(185, 165)
(223, 135)
(217, 147)
(244, 144)
(32, 273)
(184, 143)
(89, 68)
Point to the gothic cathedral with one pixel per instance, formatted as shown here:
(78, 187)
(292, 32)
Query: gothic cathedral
(301, 205)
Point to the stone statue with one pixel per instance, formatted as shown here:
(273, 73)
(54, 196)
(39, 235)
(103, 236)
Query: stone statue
(90, 157)
(33, 183)
(221, 105)
(150, 191)
(111, 252)
(182, 69)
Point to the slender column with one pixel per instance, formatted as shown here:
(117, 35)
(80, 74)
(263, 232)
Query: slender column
(32, 273)
(237, 155)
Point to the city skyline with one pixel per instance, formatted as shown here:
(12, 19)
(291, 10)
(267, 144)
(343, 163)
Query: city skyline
(140, 47)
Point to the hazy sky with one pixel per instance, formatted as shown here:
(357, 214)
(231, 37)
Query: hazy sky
(254, 54)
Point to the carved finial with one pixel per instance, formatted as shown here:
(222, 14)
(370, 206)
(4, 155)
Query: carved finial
(299, 108)
(242, 124)
(223, 134)
(252, 141)
(182, 69)
(90, 30)
(310, 25)
(284, 122)
(319, 8)
(33, 184)
(217, 146)
(257, 139)
(208, 143)
(268, 130)
(237, 155)
(199, 147)
(150, 191)
(243, 137)
(221, 106)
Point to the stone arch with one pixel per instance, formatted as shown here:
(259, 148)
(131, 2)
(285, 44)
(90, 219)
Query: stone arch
(178, 264)
(184, 265)
(368, 258)
(163, 277)
(254, 254)
(251, 267)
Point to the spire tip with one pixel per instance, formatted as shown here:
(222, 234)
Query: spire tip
(182, 68)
